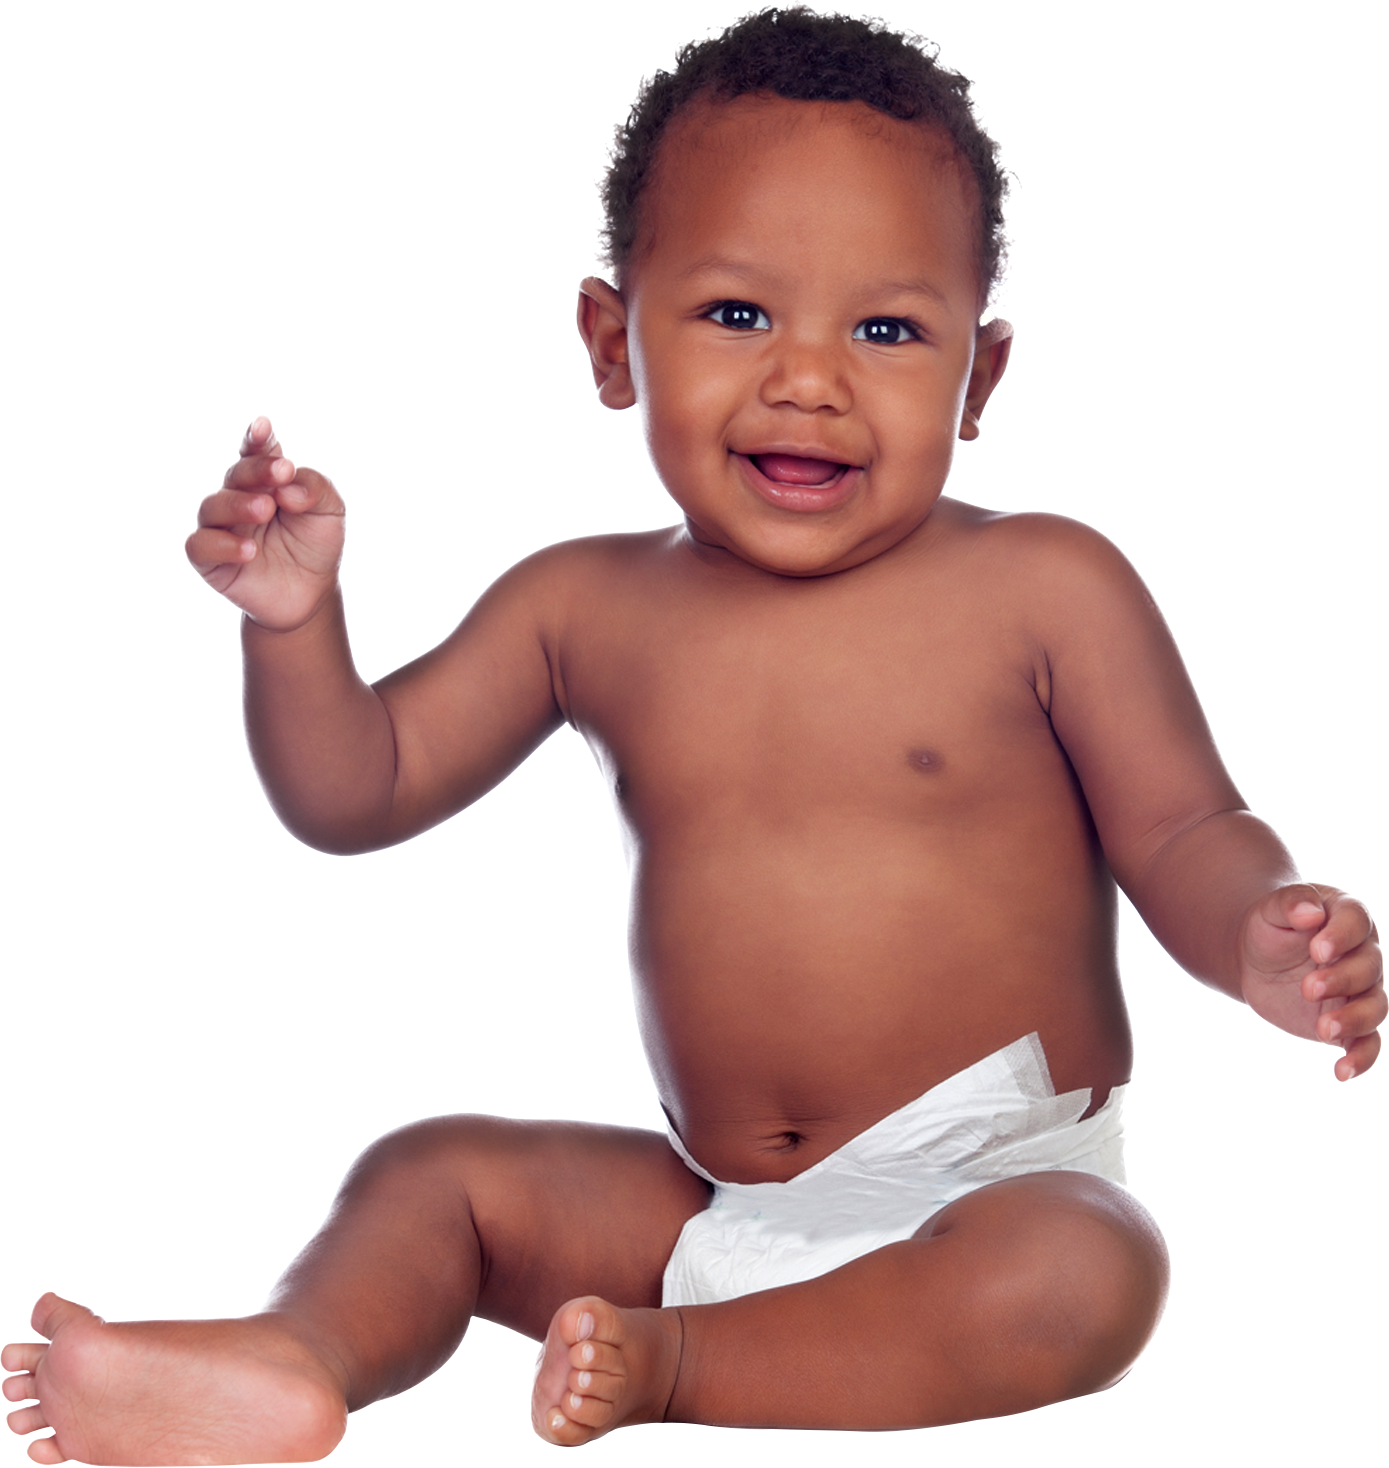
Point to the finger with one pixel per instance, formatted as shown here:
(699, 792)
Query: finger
(1347, 926)
(260, 439)
(230, 507)
(264, 471)
(1353, 1018)
(208, 549)
(1356, 973)
(1358, 1058)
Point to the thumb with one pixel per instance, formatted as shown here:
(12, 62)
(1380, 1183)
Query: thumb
(309, 491)
(1299, 907)
(1280, 927)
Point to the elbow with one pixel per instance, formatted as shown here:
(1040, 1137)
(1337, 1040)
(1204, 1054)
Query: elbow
(335, 836)
(334, 845)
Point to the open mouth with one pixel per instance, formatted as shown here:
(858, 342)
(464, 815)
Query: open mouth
(798, 472)
(800, 483)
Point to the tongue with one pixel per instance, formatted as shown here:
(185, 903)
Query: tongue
(790, 469)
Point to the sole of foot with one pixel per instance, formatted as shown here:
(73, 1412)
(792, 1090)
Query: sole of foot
(167, 1392)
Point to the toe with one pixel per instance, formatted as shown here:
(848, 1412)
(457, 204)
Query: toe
(595, 1356)
(590, 1318)
(590, 1412)
(23, 1356)
(604, 1386)
(45, 1450)
(564, 1431)
(20, 1388)
(27, 1419)
(53, 1313)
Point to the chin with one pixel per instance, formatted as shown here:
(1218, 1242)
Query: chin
(791, 555)
(811, 565)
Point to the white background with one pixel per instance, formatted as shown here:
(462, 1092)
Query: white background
(368, 222)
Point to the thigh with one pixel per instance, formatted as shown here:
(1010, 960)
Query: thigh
(559, 1209)
(1024, 1292)
(1068, 1269)
(1042, 1213)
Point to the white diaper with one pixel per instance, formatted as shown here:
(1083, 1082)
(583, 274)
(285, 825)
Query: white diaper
(1000, 1118)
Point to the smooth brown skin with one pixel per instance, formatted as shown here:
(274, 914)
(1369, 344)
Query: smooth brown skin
(881, 762)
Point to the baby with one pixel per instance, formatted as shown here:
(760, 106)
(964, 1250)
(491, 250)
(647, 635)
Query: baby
(882, 757)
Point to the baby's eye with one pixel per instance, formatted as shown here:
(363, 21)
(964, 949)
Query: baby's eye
(740, 316)
(883, 331)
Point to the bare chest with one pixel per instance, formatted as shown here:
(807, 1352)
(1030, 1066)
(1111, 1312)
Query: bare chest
(811, 703)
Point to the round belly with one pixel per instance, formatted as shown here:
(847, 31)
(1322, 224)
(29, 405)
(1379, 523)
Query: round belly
(796, 986)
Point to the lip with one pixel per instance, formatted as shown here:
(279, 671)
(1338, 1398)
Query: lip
(799, 498)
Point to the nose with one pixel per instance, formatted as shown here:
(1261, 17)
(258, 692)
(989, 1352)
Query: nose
(807, 374)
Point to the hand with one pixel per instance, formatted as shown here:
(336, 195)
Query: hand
(1310, 964)
(271, 538)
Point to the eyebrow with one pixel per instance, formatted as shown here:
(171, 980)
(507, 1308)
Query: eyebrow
(913, 288)
(718, 262)
(724, 266)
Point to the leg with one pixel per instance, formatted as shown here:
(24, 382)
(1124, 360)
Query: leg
(1023, 1293)
(434, 1223)
(470, 1215)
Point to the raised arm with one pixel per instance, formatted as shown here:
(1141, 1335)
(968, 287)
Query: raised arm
(1212, 881)
(350, 767)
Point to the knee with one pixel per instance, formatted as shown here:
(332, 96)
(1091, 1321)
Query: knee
(442, 1150)
(1087, 1290)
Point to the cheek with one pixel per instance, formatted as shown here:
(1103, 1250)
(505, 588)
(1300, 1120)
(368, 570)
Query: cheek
(916, 421)
(689, 413)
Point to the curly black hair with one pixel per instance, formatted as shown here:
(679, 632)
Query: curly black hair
(805, 57)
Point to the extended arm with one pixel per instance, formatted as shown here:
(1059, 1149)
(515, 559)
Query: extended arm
(1214, 883)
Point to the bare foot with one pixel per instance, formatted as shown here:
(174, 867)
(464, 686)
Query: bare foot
(171, 1392)
(602, 1368)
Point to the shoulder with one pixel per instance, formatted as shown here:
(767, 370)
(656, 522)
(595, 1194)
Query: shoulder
(1048, 564)
(1062, 594)
(581, 567)
(1031, 538)
(558, 596)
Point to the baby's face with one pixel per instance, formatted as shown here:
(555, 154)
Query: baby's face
(801, 322)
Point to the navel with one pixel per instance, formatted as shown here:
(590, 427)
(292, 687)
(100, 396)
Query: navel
(925, 759)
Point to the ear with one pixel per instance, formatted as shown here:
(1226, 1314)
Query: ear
(603, 326)
(991, 348)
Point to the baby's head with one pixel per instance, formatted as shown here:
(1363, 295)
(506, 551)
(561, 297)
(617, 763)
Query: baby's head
(804, 222)
(804, 57)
